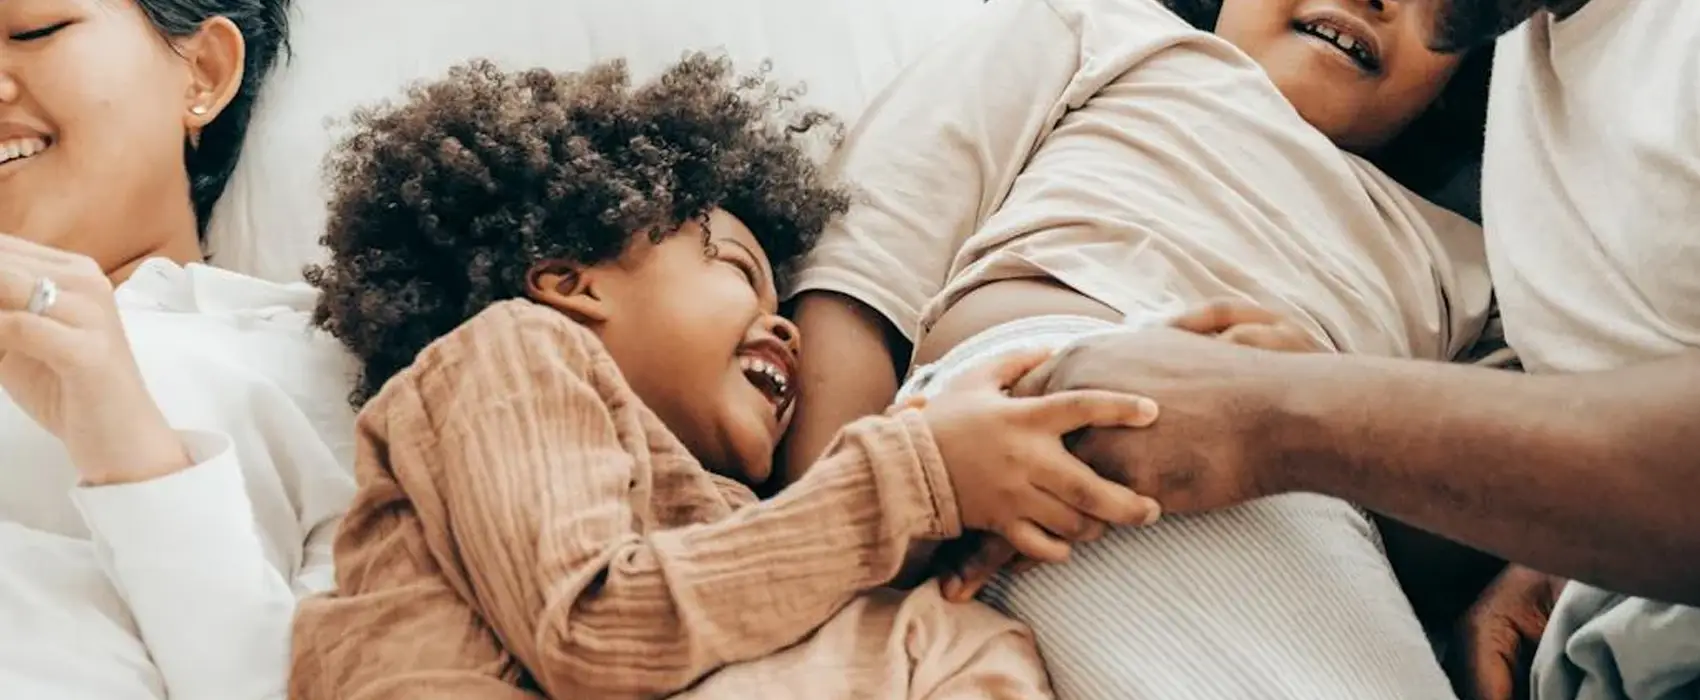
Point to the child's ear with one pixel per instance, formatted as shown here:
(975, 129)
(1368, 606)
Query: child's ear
(568, 288)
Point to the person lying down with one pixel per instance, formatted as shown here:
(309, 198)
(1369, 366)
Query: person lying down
(562, 292)
(1126, 166)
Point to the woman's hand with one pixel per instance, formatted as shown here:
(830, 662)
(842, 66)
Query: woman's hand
(68, 364)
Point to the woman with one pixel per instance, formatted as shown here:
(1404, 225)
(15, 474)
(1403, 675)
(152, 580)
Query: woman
(163, 497)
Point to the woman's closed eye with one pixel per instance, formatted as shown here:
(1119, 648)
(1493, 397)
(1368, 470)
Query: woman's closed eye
(38, 34)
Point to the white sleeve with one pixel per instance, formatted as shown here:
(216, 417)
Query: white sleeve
(185, 552)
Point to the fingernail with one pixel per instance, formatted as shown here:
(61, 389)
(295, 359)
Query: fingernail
(1153, 512)
(1147, 411)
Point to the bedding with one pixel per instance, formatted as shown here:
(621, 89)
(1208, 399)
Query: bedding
(347, 54)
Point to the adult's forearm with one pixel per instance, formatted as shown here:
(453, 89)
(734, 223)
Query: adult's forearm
(1593, 477)
(849, 371)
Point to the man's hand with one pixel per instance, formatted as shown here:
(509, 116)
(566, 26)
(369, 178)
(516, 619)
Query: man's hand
(968, 564)
(1495, 642)
(1208, 449)
(1243, 323)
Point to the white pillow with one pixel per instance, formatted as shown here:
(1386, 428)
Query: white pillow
(349, 53)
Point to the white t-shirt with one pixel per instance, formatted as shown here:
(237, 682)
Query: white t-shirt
(1591, 201)
(184, 584)
(1591, 185)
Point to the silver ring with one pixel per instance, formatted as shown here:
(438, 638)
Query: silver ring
(43, 297)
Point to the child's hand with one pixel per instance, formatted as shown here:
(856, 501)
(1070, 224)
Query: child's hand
(1012, 474)
(1245, 323)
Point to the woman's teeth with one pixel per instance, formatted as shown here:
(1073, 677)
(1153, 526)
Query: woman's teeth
(766, 376)
(19, 149)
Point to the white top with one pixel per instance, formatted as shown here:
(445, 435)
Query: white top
(188, 582)
(1591, 185)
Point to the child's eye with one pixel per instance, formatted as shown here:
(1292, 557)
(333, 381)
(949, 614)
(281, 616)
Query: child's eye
(749, 271)
(42, 33)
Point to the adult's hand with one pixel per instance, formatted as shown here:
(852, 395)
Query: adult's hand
(1495, 642)
(1207, 449)
(970, 563)
(69, 366)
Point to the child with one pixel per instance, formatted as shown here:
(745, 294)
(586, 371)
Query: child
(1066, 167)
(563, 294)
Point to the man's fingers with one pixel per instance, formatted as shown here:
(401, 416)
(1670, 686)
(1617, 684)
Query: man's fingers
(1031, 540)
(1002, 372)
(973, 574)
(1220, 315)
(1068, 411)
(1078, 487)
(1492, 661)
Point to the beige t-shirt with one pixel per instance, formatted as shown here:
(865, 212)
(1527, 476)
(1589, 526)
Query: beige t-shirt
(1112, 147)
(1591, 186)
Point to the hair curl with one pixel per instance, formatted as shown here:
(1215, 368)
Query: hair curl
(443, 203)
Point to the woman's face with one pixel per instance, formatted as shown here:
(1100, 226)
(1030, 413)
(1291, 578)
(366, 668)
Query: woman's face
(95, 111)
(1358, 70)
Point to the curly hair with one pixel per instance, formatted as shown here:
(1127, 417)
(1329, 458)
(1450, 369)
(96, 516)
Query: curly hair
(442, 204)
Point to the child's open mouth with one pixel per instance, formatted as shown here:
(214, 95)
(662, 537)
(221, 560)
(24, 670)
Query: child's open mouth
(771, 377)
(1351, 41)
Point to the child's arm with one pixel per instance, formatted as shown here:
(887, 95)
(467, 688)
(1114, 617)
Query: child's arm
(538, 452)
(931, 158)
(397, 627)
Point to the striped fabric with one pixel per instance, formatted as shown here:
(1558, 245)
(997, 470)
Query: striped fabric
(1288, 597)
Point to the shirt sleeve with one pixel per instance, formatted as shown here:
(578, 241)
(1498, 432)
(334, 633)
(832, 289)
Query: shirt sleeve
(538, 458)
(936, 153)
(184, 552)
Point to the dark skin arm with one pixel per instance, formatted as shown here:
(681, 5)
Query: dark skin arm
(850, 364)
(1592, 477)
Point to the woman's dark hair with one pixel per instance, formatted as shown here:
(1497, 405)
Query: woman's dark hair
(1438, 143)
(265, 35)
(444, 203)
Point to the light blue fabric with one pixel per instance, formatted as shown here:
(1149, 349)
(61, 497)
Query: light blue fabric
(1605, 646)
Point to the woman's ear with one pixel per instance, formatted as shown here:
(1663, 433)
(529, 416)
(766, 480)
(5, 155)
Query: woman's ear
(215, 55)
(568, 288)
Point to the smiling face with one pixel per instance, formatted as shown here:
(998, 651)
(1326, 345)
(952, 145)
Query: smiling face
(95, 110)
(1357, 70)
(692, 322)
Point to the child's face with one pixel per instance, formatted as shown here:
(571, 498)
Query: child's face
(695, 330)
(1358, 70)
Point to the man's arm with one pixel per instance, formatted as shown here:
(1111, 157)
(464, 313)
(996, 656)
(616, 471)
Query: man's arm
(852, 359)
(1593, 476)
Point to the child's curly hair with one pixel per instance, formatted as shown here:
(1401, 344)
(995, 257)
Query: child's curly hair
(442, 204)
